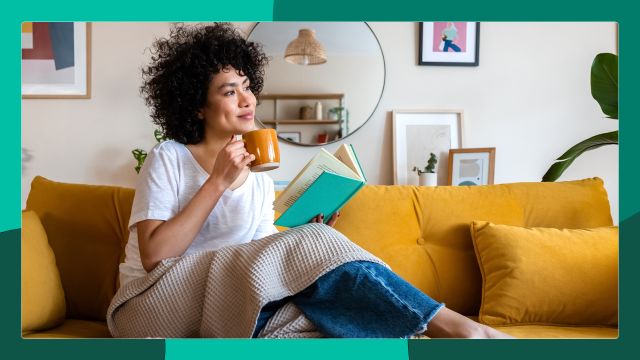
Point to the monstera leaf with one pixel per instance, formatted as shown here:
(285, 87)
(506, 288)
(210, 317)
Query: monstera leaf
(604, 89)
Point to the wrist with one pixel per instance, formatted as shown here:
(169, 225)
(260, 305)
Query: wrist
(214, 185)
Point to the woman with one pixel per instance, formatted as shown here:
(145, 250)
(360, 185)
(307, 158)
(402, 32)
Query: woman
(196, 193)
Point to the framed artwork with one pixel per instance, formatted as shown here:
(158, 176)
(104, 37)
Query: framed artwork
(293, 136)
(449, 43)
(416, 134)
(469, 167)
(56, 60)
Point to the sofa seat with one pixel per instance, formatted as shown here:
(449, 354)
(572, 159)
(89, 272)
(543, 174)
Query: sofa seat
(559, 332)
(73, 328)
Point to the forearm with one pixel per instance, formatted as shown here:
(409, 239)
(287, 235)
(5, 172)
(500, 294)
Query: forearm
(174, 236)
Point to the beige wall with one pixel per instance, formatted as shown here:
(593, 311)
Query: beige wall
(529, 98)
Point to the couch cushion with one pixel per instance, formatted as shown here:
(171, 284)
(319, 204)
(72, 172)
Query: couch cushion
(87, 230)
(73, 328)
(43, 305)
(547, 276)
(423, 232)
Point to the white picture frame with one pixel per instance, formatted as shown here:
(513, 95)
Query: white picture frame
(290, 136)
(41, 77)
(416, 134)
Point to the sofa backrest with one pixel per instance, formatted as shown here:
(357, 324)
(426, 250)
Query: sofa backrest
(87, 229)
(423, 232)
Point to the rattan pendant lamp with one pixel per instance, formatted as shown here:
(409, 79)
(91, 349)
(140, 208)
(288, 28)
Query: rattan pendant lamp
(305, 49)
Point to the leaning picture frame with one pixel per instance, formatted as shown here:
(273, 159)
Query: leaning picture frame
(56, 60)
(449, 43)
(469, 167)
(416, 134)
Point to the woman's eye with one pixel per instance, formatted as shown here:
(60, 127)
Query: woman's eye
(229, 93)
(248, 88)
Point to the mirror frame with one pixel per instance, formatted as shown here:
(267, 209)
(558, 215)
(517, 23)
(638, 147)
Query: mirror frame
(384, 83)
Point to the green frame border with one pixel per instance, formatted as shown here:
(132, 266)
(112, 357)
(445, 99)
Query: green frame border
(278, 10)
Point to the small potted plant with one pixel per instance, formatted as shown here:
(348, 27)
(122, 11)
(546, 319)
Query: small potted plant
(428, 175)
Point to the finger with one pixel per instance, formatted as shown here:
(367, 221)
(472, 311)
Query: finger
(334, 218)
(248, 158)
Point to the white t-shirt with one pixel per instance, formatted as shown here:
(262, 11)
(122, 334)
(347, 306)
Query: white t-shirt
(169, 179)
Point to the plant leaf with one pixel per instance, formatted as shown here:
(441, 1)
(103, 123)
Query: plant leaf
(604, 83)
(563, 162)
(160, 137)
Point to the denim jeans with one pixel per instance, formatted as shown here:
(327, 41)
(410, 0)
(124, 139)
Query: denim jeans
(360, 299)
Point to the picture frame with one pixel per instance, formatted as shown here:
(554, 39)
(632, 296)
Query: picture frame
(56, 60)
(469, 167)
(291, 136)
(416, 134)
(462, 50)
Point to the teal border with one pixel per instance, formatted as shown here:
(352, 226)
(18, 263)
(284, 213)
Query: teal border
(254, 10)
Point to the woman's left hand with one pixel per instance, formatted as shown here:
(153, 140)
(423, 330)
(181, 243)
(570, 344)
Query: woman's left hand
(320, 218)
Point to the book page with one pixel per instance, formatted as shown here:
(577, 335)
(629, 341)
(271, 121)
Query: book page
(323, 161)
(344, 154)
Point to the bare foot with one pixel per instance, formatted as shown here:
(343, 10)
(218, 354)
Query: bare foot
(449, 324)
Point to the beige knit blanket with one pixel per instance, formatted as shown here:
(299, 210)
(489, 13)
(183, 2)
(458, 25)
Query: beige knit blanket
(219, 294)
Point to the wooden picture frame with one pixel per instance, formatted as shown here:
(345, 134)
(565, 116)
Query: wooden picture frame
(468, 167)
(416, 134)
(56, 60)
(463, 49)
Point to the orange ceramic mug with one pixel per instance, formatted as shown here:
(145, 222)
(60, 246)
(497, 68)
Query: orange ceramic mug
(263, 143)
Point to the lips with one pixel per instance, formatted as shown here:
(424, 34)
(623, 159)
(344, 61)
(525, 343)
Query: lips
(246, 116)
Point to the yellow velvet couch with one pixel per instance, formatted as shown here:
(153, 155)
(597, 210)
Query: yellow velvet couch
(423, 233)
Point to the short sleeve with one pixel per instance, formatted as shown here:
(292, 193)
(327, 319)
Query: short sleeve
(266, 227)
(157, 187)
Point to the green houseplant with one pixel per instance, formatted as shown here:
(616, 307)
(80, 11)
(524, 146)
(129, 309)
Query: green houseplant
(604, 89)
(427, 176)
(140, 155)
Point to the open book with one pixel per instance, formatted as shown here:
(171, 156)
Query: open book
(324, 185)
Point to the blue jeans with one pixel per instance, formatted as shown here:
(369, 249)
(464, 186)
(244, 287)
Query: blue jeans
(360, 299)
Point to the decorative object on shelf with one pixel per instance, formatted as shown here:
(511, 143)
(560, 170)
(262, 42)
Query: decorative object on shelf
(56, 60)
(604, 89)
(469, 167)
(427, 176)
(338, 113)
(417, 132)
(292, 136)
(449, 43)
(141, 155)
(317, 109)
(306, 112)
(323, 138)
(305, 49)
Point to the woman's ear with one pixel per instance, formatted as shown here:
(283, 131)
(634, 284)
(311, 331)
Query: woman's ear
(201, 114)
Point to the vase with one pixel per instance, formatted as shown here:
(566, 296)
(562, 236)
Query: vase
(428, 179)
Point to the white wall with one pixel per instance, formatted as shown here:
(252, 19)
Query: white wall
(529, 98)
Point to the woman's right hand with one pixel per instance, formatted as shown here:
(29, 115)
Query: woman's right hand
(230, 162)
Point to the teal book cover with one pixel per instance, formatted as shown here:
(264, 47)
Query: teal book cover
(326, 195)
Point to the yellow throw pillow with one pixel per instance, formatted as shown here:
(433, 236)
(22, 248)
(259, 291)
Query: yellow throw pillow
(43, 304)
(547, 276)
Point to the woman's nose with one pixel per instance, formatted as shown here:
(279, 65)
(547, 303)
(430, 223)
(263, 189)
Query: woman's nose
(245, 99)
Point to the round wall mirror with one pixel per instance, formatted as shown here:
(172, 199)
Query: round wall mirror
(329, 84)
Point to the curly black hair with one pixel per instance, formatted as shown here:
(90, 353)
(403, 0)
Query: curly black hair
(176, 82)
